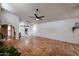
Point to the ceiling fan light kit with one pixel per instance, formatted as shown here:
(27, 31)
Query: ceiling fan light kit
(36, 19)
(36, 16)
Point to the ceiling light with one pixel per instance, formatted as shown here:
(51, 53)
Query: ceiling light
(36, 19)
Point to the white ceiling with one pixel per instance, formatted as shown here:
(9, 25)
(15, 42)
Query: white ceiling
(51, 11)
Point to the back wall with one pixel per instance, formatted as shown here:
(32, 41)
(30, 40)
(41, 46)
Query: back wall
(59, 30)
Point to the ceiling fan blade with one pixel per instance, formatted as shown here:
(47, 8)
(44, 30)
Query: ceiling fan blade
(36, 15)
(41, 16)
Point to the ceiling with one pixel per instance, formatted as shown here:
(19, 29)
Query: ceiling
(51, 11)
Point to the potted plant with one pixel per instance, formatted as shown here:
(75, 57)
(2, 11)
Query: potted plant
(9, 51)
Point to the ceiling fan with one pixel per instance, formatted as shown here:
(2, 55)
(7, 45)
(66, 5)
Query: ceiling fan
(36, 16)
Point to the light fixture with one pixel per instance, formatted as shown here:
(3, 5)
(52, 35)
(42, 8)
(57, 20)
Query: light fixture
(36, 19)
(76, 26)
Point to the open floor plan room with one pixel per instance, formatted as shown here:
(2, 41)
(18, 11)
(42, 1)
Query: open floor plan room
(39, 29)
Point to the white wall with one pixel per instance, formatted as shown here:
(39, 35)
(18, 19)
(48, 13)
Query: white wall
(0, 9)
(59, 30)
(10, 19)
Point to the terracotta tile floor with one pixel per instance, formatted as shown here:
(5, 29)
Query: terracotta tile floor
(39, 46)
